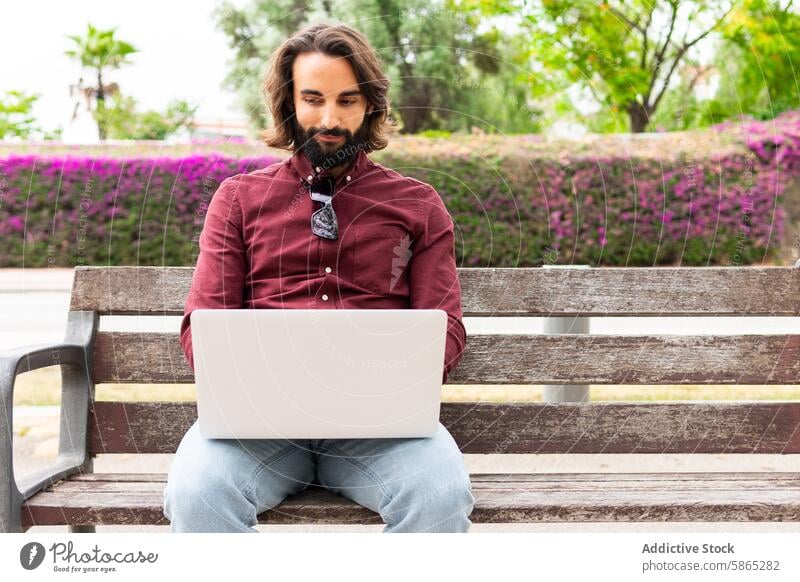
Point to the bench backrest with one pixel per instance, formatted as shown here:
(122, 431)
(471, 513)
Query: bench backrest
(661, 427)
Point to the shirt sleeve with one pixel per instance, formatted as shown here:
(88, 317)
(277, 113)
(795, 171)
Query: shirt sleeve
(433, 279)
(218, 279)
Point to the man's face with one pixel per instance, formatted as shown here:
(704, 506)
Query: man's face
(328, 102)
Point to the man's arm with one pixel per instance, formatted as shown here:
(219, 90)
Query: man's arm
(433, 279)
(218, 280)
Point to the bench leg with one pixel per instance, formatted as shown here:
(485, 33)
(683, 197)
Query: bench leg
(84, 528)
(10, 514)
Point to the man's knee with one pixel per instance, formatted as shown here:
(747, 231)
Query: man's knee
(206, 501)
(440, 505)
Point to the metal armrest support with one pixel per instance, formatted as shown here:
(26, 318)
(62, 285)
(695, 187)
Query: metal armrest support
(75, 356)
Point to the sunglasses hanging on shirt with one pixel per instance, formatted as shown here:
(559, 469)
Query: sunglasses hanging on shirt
(323, 221)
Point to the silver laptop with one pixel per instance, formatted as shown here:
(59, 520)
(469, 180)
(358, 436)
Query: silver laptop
(318, 373)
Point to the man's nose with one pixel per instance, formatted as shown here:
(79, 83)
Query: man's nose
(330, 117)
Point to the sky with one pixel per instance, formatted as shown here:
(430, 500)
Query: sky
(182, 55)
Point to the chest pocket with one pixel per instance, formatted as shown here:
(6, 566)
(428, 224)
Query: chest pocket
(381, 258)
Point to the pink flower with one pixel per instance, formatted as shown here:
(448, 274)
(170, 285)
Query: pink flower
(16, 224)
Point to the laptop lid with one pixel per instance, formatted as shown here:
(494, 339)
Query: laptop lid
(318, 373)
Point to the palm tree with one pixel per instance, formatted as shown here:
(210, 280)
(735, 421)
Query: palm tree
(99, 50)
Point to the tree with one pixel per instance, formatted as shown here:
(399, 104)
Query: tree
(99, 51)
(444, 75)
(625, 53)
(16, 115)
(753, 69)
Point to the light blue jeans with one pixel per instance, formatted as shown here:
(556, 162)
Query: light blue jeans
(415, 484)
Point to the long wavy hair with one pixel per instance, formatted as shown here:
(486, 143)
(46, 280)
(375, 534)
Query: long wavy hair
(335, 40)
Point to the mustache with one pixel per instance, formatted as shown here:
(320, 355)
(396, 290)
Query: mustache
(329, 133)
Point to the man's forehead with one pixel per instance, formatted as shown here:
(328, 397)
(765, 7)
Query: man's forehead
(318, 74)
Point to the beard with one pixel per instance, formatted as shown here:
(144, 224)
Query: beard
(330, 155)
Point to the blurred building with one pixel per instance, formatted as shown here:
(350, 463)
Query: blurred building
(206, 129)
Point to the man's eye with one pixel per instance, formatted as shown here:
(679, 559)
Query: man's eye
(346, 102)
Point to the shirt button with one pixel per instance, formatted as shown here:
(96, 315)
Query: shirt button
(328, 269)
(310, 177)
(318, 168)
(348, 178)
(324, 297)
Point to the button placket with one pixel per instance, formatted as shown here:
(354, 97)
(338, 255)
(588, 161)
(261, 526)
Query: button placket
(322, 247)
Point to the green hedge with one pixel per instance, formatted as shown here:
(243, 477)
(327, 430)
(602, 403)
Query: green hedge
(516, 201)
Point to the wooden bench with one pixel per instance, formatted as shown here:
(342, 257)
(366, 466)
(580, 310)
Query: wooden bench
(70, 493)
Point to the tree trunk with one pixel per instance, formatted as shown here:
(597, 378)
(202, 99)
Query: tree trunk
(416, 112)
(412, 95)
(639, 117)
(101, 104)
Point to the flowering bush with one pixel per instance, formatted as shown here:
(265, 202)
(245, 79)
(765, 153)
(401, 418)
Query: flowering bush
(776, 142)
(670, 201)
(689, 198)
(69, 211)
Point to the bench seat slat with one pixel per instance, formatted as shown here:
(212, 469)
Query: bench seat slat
(153, 357)
(685, 291)
(530, 427)
(788, 482)
(110, 500)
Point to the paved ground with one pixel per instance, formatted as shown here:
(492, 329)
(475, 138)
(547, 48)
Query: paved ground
(33, 308)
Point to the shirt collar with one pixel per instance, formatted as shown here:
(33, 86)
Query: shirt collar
(301, 164)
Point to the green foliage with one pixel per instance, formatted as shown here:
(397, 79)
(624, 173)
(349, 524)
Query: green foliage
(16, 115)
(758, 60)
(444, 75)
(624, 53)
(507, 65)
(99, 49)
(435, 133)
(755, 61)
(121, 120)
(628, 53)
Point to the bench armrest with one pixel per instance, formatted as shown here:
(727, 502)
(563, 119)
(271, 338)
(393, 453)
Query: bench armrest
(75, 356)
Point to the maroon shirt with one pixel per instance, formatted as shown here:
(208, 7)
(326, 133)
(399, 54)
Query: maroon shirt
(395, 248)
